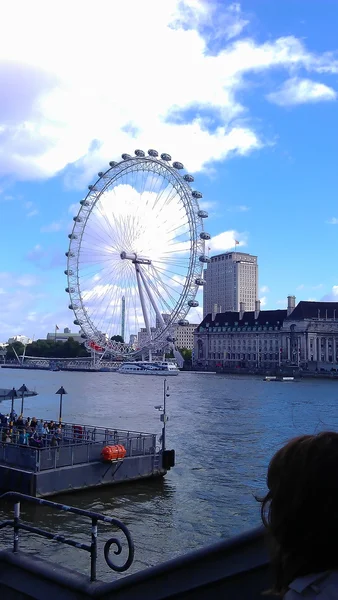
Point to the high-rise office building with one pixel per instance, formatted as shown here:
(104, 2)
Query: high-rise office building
(231, 279)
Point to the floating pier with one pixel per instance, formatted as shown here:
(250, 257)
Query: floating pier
(76, 462)
(73, 456)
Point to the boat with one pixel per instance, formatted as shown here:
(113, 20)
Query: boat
(149, 368)
(273, 378)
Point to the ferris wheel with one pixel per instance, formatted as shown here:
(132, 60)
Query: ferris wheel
(136, 255)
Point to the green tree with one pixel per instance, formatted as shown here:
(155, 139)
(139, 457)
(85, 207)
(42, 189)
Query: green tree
(18, 347)
(52, 349)
(117, 338)
(186, 353)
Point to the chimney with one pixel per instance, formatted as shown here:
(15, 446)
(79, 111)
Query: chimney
(214, 312)
(241, 310)
(291, 304)
(257, 308)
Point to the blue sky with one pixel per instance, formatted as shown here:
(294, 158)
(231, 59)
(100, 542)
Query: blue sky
(244, 94)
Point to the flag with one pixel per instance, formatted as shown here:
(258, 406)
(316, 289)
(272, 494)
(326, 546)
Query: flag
(236, 243)
(56, 328)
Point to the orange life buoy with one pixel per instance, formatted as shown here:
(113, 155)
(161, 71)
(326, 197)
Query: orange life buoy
(116, 452)
(78, 432)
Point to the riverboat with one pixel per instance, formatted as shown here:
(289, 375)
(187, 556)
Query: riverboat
(274, 378)
(149, 368)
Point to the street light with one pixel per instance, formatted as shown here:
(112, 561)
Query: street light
(61, 392)
(23, 389)
(12, 394)
(163, 417)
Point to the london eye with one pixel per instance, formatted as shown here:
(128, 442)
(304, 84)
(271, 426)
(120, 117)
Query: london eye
(136, 254)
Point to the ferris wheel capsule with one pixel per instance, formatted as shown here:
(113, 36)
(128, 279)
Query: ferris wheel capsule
(204, 258)
(183, 322)
(128, 288)
(205, 236)
(100, 173)
(193, 303)
(202, 214)
(196, 194)
(200, 281)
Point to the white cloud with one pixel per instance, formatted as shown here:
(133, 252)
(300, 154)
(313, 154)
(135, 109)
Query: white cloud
(300, 287)
(226, 241)
(264, 289)
(64, 108)
(263, 301)
(333, 221)
(207, 204)
(300, 91)
(239, 208)
(28, 280)
(33, 213)
(331, 296)
(52, 227)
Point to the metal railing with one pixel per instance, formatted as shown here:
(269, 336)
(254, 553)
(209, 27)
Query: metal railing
(75, 450)
(18, 525)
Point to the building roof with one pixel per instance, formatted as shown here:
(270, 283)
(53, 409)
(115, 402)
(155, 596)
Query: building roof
(314, 310)
(265, 317)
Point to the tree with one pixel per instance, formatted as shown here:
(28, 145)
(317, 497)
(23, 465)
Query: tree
(52, 349)
(117, 338)
(186, 353)
(18, 347)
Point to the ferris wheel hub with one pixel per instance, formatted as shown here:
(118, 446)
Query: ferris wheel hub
(141, 260)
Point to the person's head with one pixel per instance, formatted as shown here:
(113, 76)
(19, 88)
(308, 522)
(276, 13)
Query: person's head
(300, 510)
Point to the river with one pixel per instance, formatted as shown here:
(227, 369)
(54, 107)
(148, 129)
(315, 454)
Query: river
(224, 430)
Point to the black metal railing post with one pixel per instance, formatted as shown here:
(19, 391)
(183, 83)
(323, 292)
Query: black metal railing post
(16, 526)
(93, 550)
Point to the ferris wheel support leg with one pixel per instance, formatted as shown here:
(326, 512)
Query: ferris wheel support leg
(143, 304)
(151, 298)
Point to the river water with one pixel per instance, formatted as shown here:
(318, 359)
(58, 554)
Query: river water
(224, 430)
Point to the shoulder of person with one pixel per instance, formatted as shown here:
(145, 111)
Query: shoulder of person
(323, 586)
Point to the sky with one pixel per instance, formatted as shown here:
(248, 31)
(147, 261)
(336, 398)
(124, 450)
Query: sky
(243, 94)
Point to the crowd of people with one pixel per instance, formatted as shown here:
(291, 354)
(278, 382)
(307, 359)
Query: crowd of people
(29, 431)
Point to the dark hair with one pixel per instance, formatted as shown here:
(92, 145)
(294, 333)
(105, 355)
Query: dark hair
(300, 510)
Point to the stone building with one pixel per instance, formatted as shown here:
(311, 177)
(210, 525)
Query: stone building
(303, 336)
(184, 336)
(230, 278)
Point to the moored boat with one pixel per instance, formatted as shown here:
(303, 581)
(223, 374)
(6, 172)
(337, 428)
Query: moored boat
(149, 368)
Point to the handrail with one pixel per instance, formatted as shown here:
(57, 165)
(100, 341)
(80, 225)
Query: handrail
(92, 548)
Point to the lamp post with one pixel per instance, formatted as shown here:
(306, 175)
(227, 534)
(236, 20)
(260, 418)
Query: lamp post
(12, 394)
(61, 392)
(164, 417)
(23, 389)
